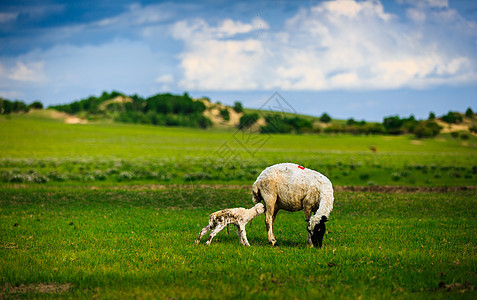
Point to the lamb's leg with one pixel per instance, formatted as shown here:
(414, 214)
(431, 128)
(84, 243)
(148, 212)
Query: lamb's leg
(202, 232)
(239, 234)
(214, 233)
(243, 236)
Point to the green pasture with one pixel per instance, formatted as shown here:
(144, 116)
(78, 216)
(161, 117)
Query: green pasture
(107, 210)
(34, 148)
(139, 244)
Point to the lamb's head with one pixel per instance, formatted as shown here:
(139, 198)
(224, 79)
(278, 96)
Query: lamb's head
(259, 208)
(316, 227)
(256, 197)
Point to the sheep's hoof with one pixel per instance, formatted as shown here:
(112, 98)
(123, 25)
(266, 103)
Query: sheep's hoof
(273, 243)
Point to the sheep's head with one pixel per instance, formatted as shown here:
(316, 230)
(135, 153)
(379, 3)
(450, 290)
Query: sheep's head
(317, 231)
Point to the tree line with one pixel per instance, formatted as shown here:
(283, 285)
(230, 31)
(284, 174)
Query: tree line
(392, 125)
(8, 107)
(182, 110)
(160, 109)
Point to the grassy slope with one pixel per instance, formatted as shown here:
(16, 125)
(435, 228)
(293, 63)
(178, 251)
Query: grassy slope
(111, 244)
(30, 136)
(231, 156)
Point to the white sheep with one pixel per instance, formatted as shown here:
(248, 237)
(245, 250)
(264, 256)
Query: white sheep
(237, 216)
(292, 187)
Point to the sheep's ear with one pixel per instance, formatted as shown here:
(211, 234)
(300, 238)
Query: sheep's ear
(324, 219)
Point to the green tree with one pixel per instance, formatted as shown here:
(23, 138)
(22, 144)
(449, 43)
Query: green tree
(469, 113)
(393, 124)
(238, 107)
(325, 118)
(36, 105)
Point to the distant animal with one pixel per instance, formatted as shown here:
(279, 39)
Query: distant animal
(237, 216)
(374, 149)
(291, 187)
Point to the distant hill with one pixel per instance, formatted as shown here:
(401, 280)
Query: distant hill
(182, 110)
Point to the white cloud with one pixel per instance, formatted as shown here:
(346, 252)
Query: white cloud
(342, 44)
(32, 72)
(229, 27)
(167, 78)
(211, 62)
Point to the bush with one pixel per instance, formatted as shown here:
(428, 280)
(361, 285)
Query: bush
(325, 118)
(427, 129)
(224, 113)
(393, 125)
(36, 105)
(204, 122)
(335, 128)
(469, 113)
(238, 107)
(452, 118)
(247, 120)
(464, 136)
(275, 124)
(279, 124)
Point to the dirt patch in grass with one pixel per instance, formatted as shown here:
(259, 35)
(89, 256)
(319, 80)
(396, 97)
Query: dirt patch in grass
(339, 188)
(41, 288)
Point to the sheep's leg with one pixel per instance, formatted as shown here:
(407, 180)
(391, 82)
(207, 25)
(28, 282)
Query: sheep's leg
(214, 233)
(270, 201)
(307, 219)
(269, 221)
(308, 208)
(269, 224)
(202, 232)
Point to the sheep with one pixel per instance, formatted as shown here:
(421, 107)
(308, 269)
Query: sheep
(237, 216)
(291, 187)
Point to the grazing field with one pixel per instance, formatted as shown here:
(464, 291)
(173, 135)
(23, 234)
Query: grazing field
(111, 211)
(119, 243)
(37, 149)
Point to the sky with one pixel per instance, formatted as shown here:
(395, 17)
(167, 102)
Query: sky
(351, 59)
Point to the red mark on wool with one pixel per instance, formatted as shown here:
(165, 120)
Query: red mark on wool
(303, 168)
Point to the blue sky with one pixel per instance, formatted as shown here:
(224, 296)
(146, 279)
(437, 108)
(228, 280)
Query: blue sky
(360, 59)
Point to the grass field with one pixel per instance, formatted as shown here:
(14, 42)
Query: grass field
(81, 215)
(116, 244)
(38, 149)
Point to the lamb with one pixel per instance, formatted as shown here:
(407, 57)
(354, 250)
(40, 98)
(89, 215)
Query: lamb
(292, 187)
(237, 216)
